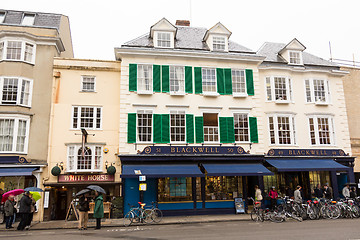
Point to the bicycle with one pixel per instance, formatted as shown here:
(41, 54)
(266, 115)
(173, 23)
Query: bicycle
(257, 213)
(137, 214)
(156, 213)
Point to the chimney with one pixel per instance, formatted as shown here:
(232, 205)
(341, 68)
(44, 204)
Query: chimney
(185, 23)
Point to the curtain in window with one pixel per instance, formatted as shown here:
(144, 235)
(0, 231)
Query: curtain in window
(6, 134)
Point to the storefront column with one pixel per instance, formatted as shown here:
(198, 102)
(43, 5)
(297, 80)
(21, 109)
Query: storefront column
(334, 184)
(351, 176)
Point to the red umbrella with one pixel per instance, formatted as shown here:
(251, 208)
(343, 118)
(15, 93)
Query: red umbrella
(14, 192)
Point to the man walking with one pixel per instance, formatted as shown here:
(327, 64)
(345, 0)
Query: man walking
(297, 195)
(9, 209)
(24, 210)
(83, 212)
(346, 191)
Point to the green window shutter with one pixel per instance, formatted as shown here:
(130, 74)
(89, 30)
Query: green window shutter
(165, 136)
(223, 129)
(156, 78)
(199, 128)
(132, 77)
(198, 80)
(165, 78)
(220, 81)
(253, 130)
(249, 82)
(157, 128)
(189, 128)
(131, 134)
(230, 130)
(188, 80)
(228, 81)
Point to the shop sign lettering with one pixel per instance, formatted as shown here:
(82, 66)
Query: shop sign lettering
(85, 178)
(192, 150)
(306, 152)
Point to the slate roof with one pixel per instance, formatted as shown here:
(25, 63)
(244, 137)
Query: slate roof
(188, 38)
(48, 20)
(270, 51)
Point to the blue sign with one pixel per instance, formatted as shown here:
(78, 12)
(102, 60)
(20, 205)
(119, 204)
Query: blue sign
(13, 159)
(306, 152)
(192, 150)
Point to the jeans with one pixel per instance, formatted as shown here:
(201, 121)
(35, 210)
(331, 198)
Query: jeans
(98, 223)
(9, 221)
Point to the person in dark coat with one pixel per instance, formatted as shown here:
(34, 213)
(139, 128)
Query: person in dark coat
(9, 209)
(318, 192)
(353, 194)
(83, 212)
(328, 193)
(24, 210)
(98, 209)
(31, 214)
(1, 203)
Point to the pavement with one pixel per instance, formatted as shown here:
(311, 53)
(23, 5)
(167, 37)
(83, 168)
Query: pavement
(324, 229)
(62, 224)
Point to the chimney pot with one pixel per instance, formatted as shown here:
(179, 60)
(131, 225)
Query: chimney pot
(182, 23)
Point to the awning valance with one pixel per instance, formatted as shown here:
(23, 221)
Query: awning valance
(301, 165)
(236, 169)
(18, 171)
(161, 170)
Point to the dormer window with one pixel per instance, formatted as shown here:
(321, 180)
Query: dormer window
(28, 19)
(2, 17)
(163, 39)
(219, 43)
(295, 57)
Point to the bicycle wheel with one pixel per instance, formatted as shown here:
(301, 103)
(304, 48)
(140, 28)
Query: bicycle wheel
(293, 216)
(128, 219)
(156, 215)
(355, 211)
(276, 217)
(146, 216)
(253, 215)
(311, 213)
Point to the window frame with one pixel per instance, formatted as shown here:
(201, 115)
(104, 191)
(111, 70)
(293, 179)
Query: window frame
(15, 135)
(238, 94)
(300, 57)
(145, 111)
(6, 41)
(25, 16)
(19, 91)
(78, 121)
(177, 112)
(82, 83)
(289, 92)
(327, 91)
(218, 44)
(141, 91)
(248, 115)
(156, 39)
(2, 16)
(77, 147)
(332, 132)
(209, 93)
(183, 80)
(218, 127)
(292, 125)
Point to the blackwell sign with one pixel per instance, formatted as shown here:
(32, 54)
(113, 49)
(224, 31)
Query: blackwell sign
(192, 150)
(306, 152)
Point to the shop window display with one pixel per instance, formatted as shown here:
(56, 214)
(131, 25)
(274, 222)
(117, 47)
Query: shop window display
(223, 188)
(174, 189)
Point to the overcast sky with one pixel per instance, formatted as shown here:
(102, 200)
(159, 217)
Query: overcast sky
(99, 26)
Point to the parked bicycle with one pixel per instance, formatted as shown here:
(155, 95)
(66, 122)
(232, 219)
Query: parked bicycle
(156, 214)
(138, 214)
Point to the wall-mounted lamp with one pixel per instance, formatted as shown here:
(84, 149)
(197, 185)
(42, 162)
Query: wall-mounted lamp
(61, 165)
(106, 164)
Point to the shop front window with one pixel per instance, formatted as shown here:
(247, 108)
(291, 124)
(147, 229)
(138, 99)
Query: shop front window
(174, 189)
(223, 188)
(317, 177)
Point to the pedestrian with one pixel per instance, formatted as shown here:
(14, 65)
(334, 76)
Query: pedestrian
(24, 210)
(258, 195)
(2, 206)
(83, 212)
(9, 209)
(318, 192)
(353, 194)
(297, 195)
(328, 193)
(346, 191)
(32, 210)
(98, 209)
(273, 197)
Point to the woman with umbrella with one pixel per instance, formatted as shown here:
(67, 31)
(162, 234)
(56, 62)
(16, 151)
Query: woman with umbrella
(83, 212)
(99, 209)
